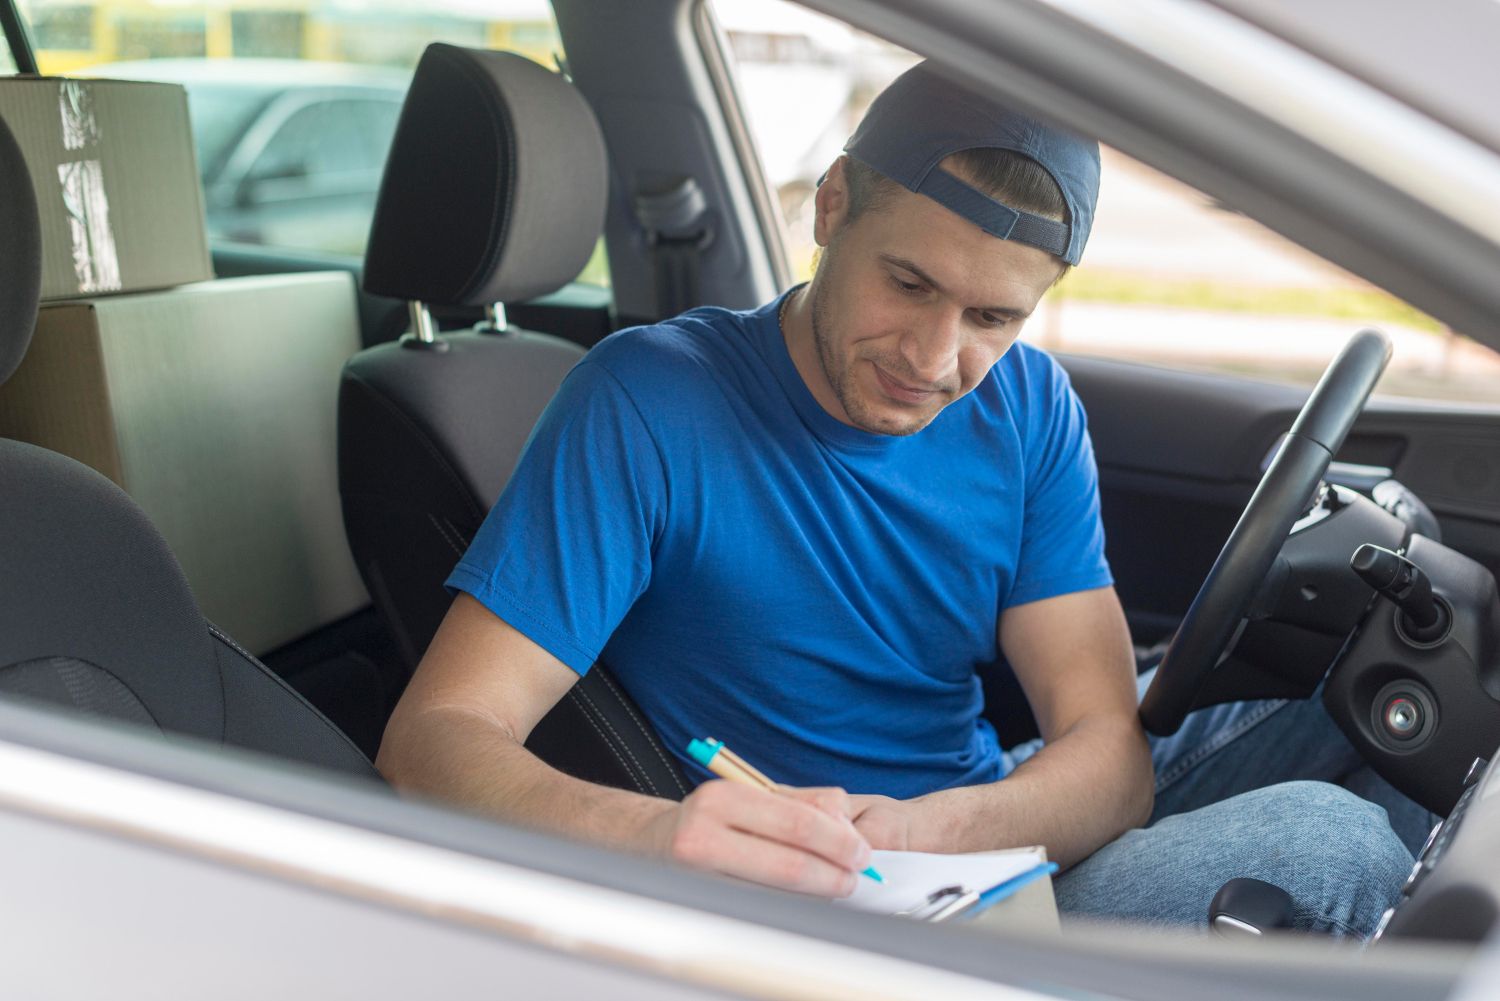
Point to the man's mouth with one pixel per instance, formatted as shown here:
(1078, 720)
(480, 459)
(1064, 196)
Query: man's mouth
(900, 391)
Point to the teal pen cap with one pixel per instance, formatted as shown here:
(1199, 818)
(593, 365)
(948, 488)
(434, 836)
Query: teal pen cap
(702, 751)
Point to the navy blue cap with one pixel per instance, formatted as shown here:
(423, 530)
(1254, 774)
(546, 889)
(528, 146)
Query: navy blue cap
(923, 117)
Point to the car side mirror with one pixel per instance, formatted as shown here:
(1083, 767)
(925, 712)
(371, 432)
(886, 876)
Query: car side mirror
(252, 190)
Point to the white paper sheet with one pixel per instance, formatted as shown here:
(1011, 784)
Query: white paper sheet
(911, 876)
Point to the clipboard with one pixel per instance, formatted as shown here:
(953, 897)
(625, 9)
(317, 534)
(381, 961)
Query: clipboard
(1028, 910)
(934, 887)
(960, 903)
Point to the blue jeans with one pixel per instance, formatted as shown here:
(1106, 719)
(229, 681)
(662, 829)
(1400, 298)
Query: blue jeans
(1259, 789)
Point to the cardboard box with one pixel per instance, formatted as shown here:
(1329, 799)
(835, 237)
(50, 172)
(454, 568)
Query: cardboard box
(215, 407)
(116, 181)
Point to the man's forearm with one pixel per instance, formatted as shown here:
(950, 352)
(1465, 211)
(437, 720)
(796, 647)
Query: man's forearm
(796, 839)
(468, 759)
(1081, 791)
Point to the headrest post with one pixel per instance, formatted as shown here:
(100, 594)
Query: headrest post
(494, 319)
(423, 333)
(421, 321)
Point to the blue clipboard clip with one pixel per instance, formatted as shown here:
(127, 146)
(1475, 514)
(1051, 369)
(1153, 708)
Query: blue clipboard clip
(1000, 891)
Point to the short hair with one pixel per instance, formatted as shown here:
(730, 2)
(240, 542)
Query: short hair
(1013, 178)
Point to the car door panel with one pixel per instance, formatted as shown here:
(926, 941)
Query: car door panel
(1450, 457)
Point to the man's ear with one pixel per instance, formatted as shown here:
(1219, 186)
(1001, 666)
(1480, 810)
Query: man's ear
(831, 204)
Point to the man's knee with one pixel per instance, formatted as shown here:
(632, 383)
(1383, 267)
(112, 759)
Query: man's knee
(1332, 851)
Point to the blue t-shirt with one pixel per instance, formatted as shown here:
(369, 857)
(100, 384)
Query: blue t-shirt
(752, 569)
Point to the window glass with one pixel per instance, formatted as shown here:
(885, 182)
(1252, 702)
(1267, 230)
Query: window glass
(1171, 277)
(62, 27)
(328, 138)
(293, 103)
(268, 34)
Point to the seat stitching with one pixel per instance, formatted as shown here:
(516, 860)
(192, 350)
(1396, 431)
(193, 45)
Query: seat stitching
(461, 539)
(645, 776)
(651, 740)
(623, 746)
(437, 524)
(229, 642)
(590, 720)
(622, 762)
(642, 779)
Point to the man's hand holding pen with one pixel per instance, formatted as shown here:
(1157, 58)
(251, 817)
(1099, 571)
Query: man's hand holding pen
(796, 839)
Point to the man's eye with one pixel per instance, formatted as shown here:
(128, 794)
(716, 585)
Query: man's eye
(909, 288)
(993, 320)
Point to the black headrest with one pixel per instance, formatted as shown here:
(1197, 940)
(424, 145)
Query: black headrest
(495, 186)
(20, 255)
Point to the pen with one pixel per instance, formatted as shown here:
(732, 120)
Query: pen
(713, 755)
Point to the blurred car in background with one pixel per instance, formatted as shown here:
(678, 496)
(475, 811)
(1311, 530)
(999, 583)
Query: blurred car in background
(290, 151)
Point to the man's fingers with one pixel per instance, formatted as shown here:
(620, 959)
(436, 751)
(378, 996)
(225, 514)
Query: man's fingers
(748, 856)
(831, 800)
(794, 821)
(787, 820)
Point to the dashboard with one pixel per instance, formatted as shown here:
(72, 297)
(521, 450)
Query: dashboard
(1453, 892)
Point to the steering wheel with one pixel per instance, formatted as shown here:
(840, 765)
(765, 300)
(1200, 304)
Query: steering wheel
(1289, 482)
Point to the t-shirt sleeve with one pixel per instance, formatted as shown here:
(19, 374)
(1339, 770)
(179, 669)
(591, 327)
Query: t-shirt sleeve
(1062, 540)
(566, 550)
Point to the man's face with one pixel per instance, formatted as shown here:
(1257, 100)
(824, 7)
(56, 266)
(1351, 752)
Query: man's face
(911, 307)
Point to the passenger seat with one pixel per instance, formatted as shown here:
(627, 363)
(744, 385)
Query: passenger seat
(494, 191)
(95, 613)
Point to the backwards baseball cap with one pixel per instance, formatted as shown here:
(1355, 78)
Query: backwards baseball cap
(923, 117)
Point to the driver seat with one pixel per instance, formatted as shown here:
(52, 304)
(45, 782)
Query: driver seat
(95, 613)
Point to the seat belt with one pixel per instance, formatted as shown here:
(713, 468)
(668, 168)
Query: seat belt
(676, 221)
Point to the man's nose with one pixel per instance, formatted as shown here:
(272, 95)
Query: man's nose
(931, 350)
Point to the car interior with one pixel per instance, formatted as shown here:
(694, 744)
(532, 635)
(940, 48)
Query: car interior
(256, 557)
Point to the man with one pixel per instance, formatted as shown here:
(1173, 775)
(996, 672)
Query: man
(799, 529)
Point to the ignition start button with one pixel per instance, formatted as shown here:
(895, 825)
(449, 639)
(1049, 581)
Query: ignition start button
(1403, 718)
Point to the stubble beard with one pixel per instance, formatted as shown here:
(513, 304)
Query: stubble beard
(840, 376)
